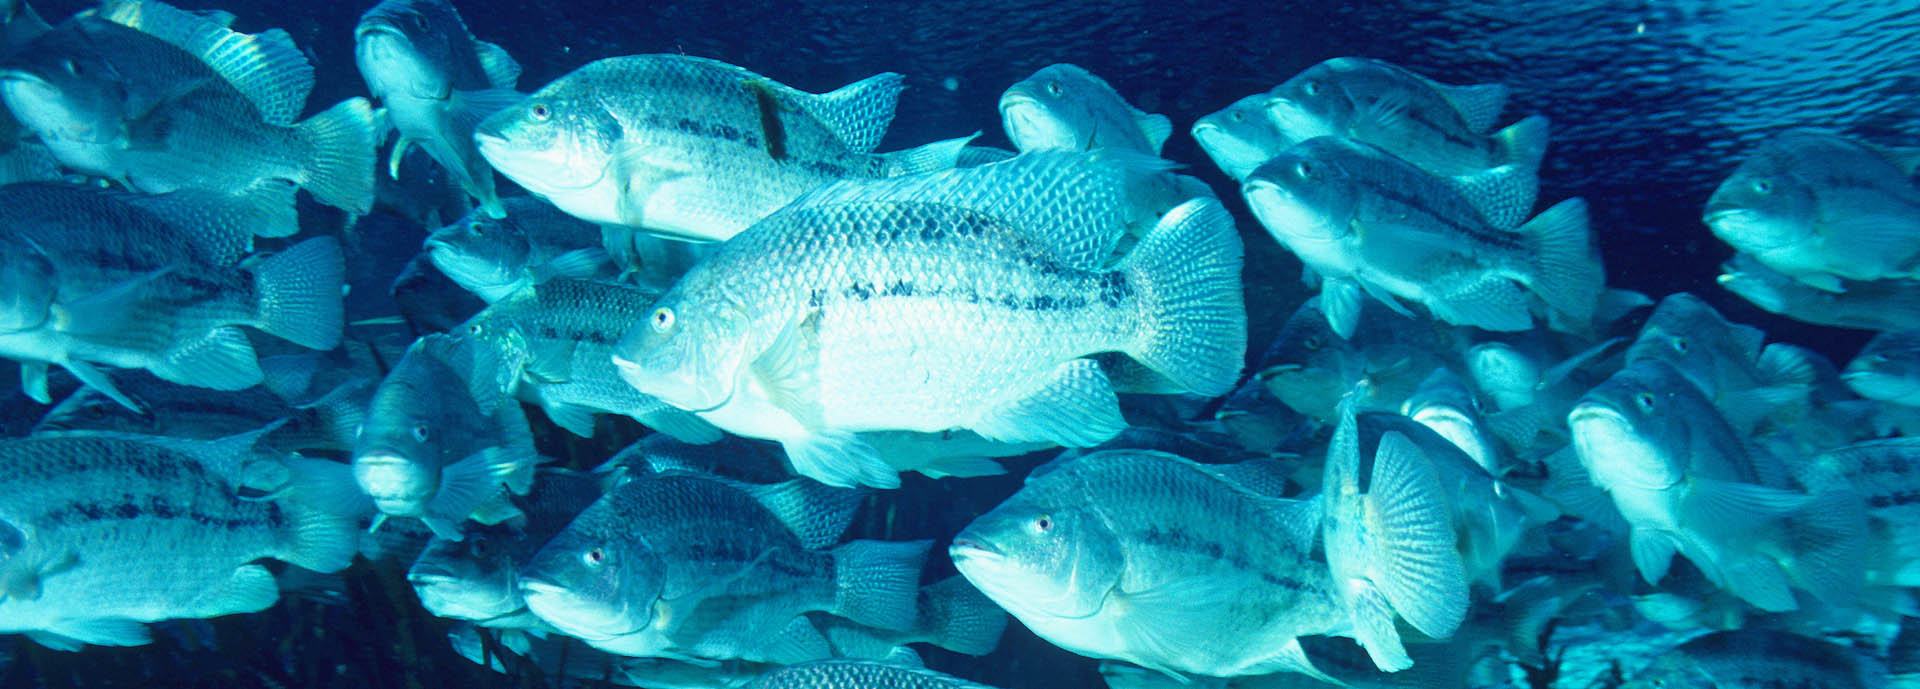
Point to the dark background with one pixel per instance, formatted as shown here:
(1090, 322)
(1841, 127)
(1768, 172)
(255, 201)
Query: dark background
(1652, 104)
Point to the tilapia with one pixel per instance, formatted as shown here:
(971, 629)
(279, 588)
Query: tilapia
(436, 82)
(535, 242)
(478, 578)
(1310, 367)
(1687, 484)
(684, 566)
(950, 613)
(960, 300)
(1886, 472)
(1437, 127)
(1730, 363)
(1871, 305)
(1444, 403)
(562, 331)
(1142, 556)
(859, 674)
(1888, 369)
(617, 142)
(1822, 208)
(1240, 137)
(160, 99)
(443, 441)
(105, 532)
(1064, 107)
(1367, 221)
(93, 276)
(177, 411)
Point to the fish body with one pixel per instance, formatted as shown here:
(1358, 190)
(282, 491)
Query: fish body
(1141, 556)
(1823, 209)
(436, 82)
(959, 300)
(859, 674)
(1310, 367)
(104, 532)
(1687, 484)
(1886, 472)
(1729, 362)
(690, 148)
(564, 331)
(156, 282)
(161, 99)
(1871, 305)
(443, 441)
(1365, 220)
(684, 566)
(1888, 369)
(1064, 107)
(178, 411)
(493, 258)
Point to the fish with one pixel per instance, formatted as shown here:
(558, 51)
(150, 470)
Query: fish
(101, 533)
(478, 578)
(1064, 107)
(859, 674)
(160, 99)
(1309, 367)
(1240, 136)
(834, 337)
(1888, 368)
(1444, 403)
(493, 258)
(1754, 658)
(950, 613)
(94, 276)
(1823, 209)
(1687, 484)
(562, 333)
(1366, 221)
(688, 566)
(436, 82)
(1870, 305)
(639, 160)
(1884, 472)
(1730, 363)
(178, 411)
(442, 441)
(560, 656)
(1437, 127)
(1141, 556)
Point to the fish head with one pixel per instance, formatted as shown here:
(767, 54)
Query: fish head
(1509, 376)
(1313, 103)
(590, 581)
(1302, 195)
(480, 252)
(29, 283)
(64, 89)
(691, 351)
(1631, 431)
(470, 579)
(398, 455)
(1053, 110)
(1888, 368)
(1038, 556)
(562, 138)
(1766, 205)
(1696, 339)
(1762, 287)
(402, 48)
(1240, 137)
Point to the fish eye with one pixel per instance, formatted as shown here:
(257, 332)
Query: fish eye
(420, 432)
(1681, 345)
(71, 68)
(662, 319)
(1876, 359)
(540, 112)
(1311, 343)
(475, 330)
(1645, 400)
(1305, 169)
(478, 546)
(595, 557)
(419, 21)
(1312, 88)
(1043, 523)
(1053, 87)
(1763, 186)
(1237, 116)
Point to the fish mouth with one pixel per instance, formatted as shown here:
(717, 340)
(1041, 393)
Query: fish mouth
(1279, 370)
(1595, 412)
(430, 579)
(1023, 117)
(539, 585)
(966, 548)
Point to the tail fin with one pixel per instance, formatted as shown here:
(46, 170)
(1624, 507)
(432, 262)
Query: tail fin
(340, 166)
(958, 617)
(876, 582)
(1189, 268)
(1524, 143)
(1566, 271)
(299, 293)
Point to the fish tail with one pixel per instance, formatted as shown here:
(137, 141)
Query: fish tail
(960, 618)
(1828, 540)
(876, 582)
(1524, 143)
(1189, 269)
(1564, 266)
(323, 503)
(299, 292)
(340, 167)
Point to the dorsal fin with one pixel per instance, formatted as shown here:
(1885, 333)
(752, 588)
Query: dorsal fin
(860, 112)
(266, 68)
(501, 69)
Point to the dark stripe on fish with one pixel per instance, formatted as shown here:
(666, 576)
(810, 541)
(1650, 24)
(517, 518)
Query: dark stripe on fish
(155, 507)
(1182, 542)
(771, 130)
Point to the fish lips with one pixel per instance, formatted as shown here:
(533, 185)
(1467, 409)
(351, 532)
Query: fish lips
(1028, 124)
(394, 482)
